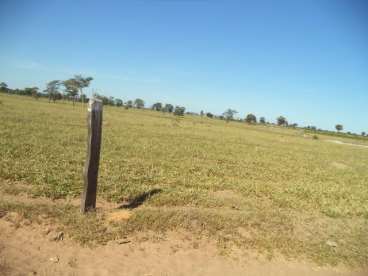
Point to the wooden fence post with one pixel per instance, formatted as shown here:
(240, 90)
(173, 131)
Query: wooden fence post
(94, 122)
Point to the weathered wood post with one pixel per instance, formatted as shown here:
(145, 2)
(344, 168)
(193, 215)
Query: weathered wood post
(94, 123)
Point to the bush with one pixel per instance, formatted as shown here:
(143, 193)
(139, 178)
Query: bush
(315, 137)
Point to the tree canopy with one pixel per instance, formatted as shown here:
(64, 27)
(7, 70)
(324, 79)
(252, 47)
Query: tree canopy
(139, 103)
(282, 121)
(157, 106)
(229, 114)
(251, 118)
(339, 127)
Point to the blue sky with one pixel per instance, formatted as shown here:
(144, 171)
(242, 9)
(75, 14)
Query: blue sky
(306, 60)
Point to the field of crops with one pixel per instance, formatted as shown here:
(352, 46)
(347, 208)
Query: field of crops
(262, 187)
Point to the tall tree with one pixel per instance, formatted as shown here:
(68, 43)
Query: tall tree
(82, 82)
(229, 114)
(139, 103)
(3, 87)
(339, 127)
(71, 89)
(52, 89)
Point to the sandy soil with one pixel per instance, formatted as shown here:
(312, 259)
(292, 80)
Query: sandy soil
(27, 250)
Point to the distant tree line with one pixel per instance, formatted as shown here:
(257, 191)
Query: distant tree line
(229, 115)
(72, 90)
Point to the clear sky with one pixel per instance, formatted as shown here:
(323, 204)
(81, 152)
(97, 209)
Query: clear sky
(306, 60)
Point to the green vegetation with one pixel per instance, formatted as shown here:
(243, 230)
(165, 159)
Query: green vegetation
(274, 189)
(251, 119)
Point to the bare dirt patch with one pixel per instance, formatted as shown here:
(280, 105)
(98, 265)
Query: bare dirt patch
(118, 215)
(26, 250)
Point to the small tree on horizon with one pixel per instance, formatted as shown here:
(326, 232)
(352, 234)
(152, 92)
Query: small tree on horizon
(262, 120)
(3, 87)
(129, 104)
(281, 121)
(52, 89)
(81, 83)
(71, 89)
(179, 110)
(251, 119)
(119, 102)
(168, 108)
(209, 115)
(34, 92)
(229, 114)
(157, 106)
(139, 103)
(339, 127)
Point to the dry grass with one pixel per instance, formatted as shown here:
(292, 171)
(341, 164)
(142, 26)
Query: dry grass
(288, 193)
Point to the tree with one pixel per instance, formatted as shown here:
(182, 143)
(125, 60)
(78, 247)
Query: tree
(3, 87)
(157, 106)
(111, 101)
(27, 91)
(118, 102)
(262, 120)
(209, 115)
(229, 114)
(202, 113)
(251, 119)
(32, 91)
(71, 88)
(339, 127)
(363, 133)
(139, 103)
(52, 89)
(105, 100)
(179, 110)
(281, 121)
(128, 104)
(168, 108)
(81, 83)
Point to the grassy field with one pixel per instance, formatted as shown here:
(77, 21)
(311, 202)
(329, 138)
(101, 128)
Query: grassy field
(266, 188)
